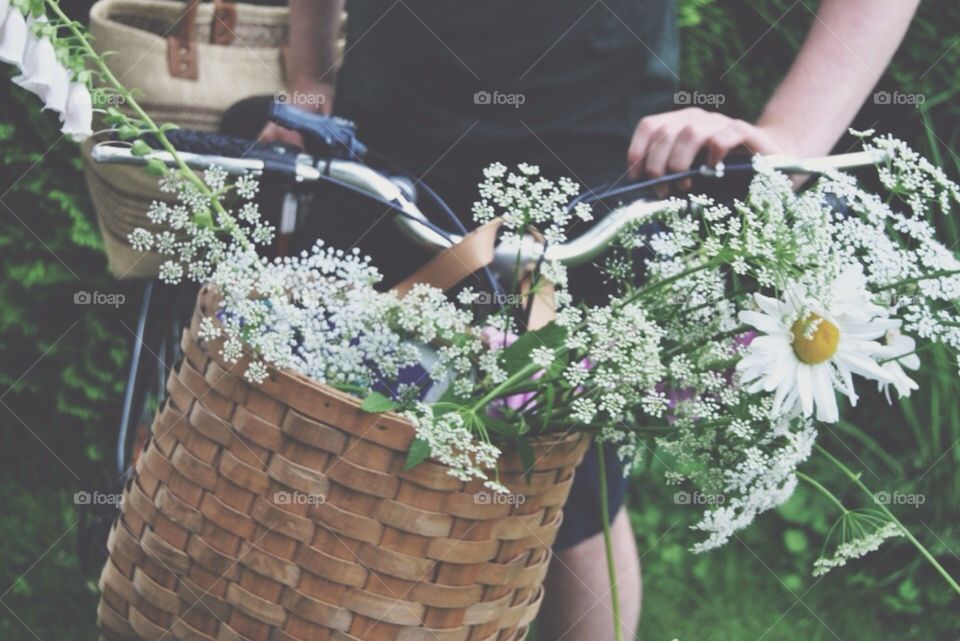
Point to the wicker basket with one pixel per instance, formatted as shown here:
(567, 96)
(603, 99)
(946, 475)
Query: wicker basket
(206, 548)
(233, 57)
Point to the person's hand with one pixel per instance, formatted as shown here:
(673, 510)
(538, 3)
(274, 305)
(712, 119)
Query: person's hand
(669, 142)
(313, 96)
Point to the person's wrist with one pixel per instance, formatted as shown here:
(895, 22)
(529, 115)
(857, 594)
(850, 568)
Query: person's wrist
(312, 94)
(791, 142)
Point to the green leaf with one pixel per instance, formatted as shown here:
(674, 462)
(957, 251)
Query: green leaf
(527, 457)
(419, 452)
(517, 356)
(376, 403)
(907, 590)
(795, 540)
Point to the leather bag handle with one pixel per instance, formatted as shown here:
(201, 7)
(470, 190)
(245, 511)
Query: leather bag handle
(474, 252)
(181, 48)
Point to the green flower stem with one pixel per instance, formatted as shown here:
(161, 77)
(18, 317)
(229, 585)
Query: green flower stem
(855, 478)
(823, 490)
(608, 543)
(916, 279)
(686, 348)
(154, 129)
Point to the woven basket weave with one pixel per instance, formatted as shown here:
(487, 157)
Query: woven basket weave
(205, 549)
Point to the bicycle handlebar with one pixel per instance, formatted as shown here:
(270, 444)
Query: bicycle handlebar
(416, 226)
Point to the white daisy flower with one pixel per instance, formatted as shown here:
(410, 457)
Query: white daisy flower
(807, 352)
(899, 351)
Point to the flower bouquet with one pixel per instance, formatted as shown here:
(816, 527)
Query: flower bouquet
(730, 333)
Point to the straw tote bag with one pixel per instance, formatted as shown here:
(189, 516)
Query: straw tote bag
(189, 61)
(210, 545)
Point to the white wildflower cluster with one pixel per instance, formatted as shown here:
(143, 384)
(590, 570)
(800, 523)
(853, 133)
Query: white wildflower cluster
(771, 307)
(747, 323)
(755, 479)
(908, 174)
(622, 350)
(320, 314)
(196, 231)
(453, 443)
(526, 199)
(620, 365)
(872, 534)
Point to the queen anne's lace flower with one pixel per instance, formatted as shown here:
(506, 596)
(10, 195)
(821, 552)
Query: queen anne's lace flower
(856, 548)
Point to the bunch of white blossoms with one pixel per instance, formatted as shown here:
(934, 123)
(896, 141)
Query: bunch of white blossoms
(319, 314)
(526, 199)
(198, 236)
(773, 307)
(29, 43)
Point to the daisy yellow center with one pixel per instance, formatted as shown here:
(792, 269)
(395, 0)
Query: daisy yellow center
(818, 346)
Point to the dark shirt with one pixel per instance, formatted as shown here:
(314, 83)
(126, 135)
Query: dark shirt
(446, 87)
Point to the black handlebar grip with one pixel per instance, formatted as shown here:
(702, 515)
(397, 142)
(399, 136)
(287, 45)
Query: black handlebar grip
(276, 157)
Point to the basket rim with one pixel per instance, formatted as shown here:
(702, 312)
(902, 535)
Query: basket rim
(208, 295)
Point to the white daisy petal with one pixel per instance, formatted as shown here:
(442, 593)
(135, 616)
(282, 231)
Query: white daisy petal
(769, 306)
(862, 365)
(805, 388)
(762, 322)
(825, 396)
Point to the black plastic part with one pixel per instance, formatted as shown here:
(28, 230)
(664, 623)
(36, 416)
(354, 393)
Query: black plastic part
(276, 157)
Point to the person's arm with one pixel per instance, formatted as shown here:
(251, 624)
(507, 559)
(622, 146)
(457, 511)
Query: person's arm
(311, 60)
(847, 49)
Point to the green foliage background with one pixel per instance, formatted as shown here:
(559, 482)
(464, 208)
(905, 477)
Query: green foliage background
(62, 367)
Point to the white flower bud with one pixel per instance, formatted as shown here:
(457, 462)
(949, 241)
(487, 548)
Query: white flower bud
(77, 118)
(13, 38)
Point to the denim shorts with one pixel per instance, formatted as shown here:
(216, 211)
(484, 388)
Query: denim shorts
(582, 517)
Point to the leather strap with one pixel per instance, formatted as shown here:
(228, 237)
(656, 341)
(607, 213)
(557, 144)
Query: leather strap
(473, 253)
(543, 309)
(453, 264)
(181, 48)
